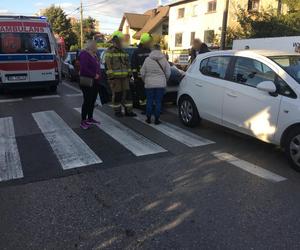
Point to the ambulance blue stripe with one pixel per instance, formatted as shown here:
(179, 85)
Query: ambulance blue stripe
(41, 57)
(13, 57)
(25, 57)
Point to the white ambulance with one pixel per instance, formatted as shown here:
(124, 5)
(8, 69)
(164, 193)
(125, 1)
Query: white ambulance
(28, 54)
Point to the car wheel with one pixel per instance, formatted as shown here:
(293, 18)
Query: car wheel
(292, 148)
(188, 112)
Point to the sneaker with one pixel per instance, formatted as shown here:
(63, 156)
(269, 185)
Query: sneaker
(92, 122)
(84, 125)
(130, 114)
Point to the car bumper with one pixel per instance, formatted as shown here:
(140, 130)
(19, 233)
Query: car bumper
(28, 85)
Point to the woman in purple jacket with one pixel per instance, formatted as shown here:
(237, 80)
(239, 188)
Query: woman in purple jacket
(89, 67)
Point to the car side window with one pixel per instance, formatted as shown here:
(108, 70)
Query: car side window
(251, 72)
(215, 66)
(283, 88)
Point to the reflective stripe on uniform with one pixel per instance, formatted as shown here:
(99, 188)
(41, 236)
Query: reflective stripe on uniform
(116, 55)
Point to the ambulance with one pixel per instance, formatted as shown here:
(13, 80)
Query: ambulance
(28, 54)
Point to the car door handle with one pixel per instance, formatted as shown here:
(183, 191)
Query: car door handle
(231, 95)
(33, 60)
(199, 85)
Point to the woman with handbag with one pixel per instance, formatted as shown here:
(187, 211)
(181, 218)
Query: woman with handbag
(89, 83)
(155, 73)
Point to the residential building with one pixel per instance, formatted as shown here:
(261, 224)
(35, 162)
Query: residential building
(202, 19)
(154, 21)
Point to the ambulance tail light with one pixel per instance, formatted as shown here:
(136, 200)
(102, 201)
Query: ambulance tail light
(56, 70)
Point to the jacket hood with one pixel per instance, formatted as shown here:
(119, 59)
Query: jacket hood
(156, 55)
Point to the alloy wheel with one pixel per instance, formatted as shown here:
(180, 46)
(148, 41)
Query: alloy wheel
(186, 111)
(295, 150)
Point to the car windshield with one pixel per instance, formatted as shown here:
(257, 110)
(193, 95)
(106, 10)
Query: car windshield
(291, 64)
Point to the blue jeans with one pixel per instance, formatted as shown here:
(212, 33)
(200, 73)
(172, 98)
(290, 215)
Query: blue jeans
(154, 96)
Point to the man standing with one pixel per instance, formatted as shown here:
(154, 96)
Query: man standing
(137, 61)
(118, 73)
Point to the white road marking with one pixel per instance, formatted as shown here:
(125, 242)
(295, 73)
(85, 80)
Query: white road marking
(69, 148)
(134, 142)
(11, 100)
(10, 163)
(71, 87)
(249, 167)
(178, 134)
(45, 97)
(74, 95)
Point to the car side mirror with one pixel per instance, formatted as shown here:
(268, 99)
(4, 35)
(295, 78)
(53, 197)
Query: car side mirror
(267, 86)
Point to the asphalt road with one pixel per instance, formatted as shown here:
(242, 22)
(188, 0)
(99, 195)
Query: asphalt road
(127, 185)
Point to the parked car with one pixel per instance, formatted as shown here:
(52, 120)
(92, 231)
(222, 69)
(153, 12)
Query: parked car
(68, 69)
(254, 92)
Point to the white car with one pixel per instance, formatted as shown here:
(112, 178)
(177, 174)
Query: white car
(254, 92)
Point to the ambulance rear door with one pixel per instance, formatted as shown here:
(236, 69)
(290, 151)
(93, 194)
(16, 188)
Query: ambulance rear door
(42, 63)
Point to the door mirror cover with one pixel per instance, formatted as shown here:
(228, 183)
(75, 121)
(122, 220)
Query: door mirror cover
(267, 86)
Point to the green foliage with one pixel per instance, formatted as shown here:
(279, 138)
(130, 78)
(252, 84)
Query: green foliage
(74, 48)
(293, 5)
(268, 24)
(61, 25)
(88, 29)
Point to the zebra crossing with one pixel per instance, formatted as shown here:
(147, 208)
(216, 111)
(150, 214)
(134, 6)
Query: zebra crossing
(73, 152)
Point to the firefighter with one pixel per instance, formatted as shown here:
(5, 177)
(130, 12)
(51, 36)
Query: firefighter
(138, 58)
(118, 73)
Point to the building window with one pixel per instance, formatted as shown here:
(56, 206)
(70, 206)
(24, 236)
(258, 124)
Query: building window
(253, 5)
(165, 29)
(212, 6)
(178, 39)
(209, 36)
(127, 30)
(181, 13)
(193, 35)
(195, 11)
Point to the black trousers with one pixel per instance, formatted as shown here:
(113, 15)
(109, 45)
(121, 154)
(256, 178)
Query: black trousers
(89, 99)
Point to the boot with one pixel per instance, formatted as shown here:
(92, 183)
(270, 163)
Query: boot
(118, 114)
(130, 114)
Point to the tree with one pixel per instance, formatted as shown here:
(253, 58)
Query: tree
(293, 5)
(88, 29)
(268, 24)
(61, 25)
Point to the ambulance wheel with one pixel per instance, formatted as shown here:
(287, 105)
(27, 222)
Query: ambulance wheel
(53, 89)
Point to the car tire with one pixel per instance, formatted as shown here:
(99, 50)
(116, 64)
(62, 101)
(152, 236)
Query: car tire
(188, 112)
(292, 148)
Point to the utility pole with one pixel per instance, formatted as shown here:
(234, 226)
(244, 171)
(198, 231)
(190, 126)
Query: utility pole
(224, 26)
(279, 9)
(81, 25)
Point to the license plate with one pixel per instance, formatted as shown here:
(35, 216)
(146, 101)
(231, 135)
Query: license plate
(17, 78)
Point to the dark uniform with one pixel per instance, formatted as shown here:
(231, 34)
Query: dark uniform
(137, 61)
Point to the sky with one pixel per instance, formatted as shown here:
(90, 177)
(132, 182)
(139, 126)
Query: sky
(108, 12)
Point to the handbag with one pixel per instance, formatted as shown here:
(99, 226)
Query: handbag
(86, 81)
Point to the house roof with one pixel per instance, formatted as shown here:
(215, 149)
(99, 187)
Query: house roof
(179, 2)
(157, 16)
(135, 21)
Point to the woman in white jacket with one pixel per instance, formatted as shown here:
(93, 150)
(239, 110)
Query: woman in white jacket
(155, 73)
